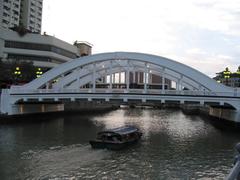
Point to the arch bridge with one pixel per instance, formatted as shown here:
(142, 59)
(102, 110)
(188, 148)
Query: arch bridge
(123, 77)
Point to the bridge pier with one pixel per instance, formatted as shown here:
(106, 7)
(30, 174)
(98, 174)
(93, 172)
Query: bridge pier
(5, 102)
(9, 106)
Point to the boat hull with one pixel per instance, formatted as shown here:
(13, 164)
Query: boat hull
(111, 145)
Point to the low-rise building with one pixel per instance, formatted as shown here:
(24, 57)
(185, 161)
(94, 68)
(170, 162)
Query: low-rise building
(229, 78)
(42, 50)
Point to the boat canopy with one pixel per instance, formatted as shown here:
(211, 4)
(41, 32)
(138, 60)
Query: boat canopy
(121, 130)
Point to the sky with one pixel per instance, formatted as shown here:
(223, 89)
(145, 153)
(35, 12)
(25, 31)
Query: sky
(203, 34)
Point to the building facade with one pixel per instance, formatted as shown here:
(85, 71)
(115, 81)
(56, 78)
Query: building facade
(10, 13)
(42, 50)
(229, 78)
(26, 13)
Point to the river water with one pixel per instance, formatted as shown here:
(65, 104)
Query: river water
(174, 146)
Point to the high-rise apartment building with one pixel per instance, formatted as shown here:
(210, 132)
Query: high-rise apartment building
(10, 13)
(27, 13)
(31, 14)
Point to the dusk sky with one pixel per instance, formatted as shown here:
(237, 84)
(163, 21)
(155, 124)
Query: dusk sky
(204, 34)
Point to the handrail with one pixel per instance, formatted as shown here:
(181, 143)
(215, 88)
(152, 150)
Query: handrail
(130, 91)
(235, 171)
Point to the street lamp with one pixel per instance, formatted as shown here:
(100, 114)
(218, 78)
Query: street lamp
(17, 73)
(39, 72)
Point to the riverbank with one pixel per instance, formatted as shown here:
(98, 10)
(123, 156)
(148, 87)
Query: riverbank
(222, 118)
(91, 108)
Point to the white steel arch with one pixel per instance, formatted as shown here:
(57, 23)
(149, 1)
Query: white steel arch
(86, 78)
(89, 69)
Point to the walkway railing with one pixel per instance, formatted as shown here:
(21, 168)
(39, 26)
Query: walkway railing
(17, 90)
(235, 171)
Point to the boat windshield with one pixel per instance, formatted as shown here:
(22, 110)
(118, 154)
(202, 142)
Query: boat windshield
(109, 137)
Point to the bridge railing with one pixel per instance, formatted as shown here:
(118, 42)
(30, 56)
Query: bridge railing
(235, 171)
(17, 90)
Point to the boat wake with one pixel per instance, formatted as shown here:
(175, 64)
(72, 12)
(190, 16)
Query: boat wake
(60, 161)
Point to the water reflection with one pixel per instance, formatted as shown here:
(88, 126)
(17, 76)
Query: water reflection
(174, 146)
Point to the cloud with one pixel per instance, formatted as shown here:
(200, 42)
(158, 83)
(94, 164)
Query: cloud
(195, 51)
(204, 34)
(220, 15)
(208, 63)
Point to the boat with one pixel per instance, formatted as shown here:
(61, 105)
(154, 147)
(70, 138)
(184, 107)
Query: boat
(116, 139)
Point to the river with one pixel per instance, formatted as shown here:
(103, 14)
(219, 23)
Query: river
(173, 146)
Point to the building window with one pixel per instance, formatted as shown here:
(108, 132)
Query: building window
(20, 57)
(5, 22)
(25, 57)
(15, 12)
(16, 5)
(6, 8)
(5, 14)
(40, 47)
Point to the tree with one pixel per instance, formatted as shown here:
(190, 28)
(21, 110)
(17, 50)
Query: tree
(16, 72)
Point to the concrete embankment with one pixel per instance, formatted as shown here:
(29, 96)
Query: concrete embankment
(195, 109)
(35, 112)
(222, 117)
